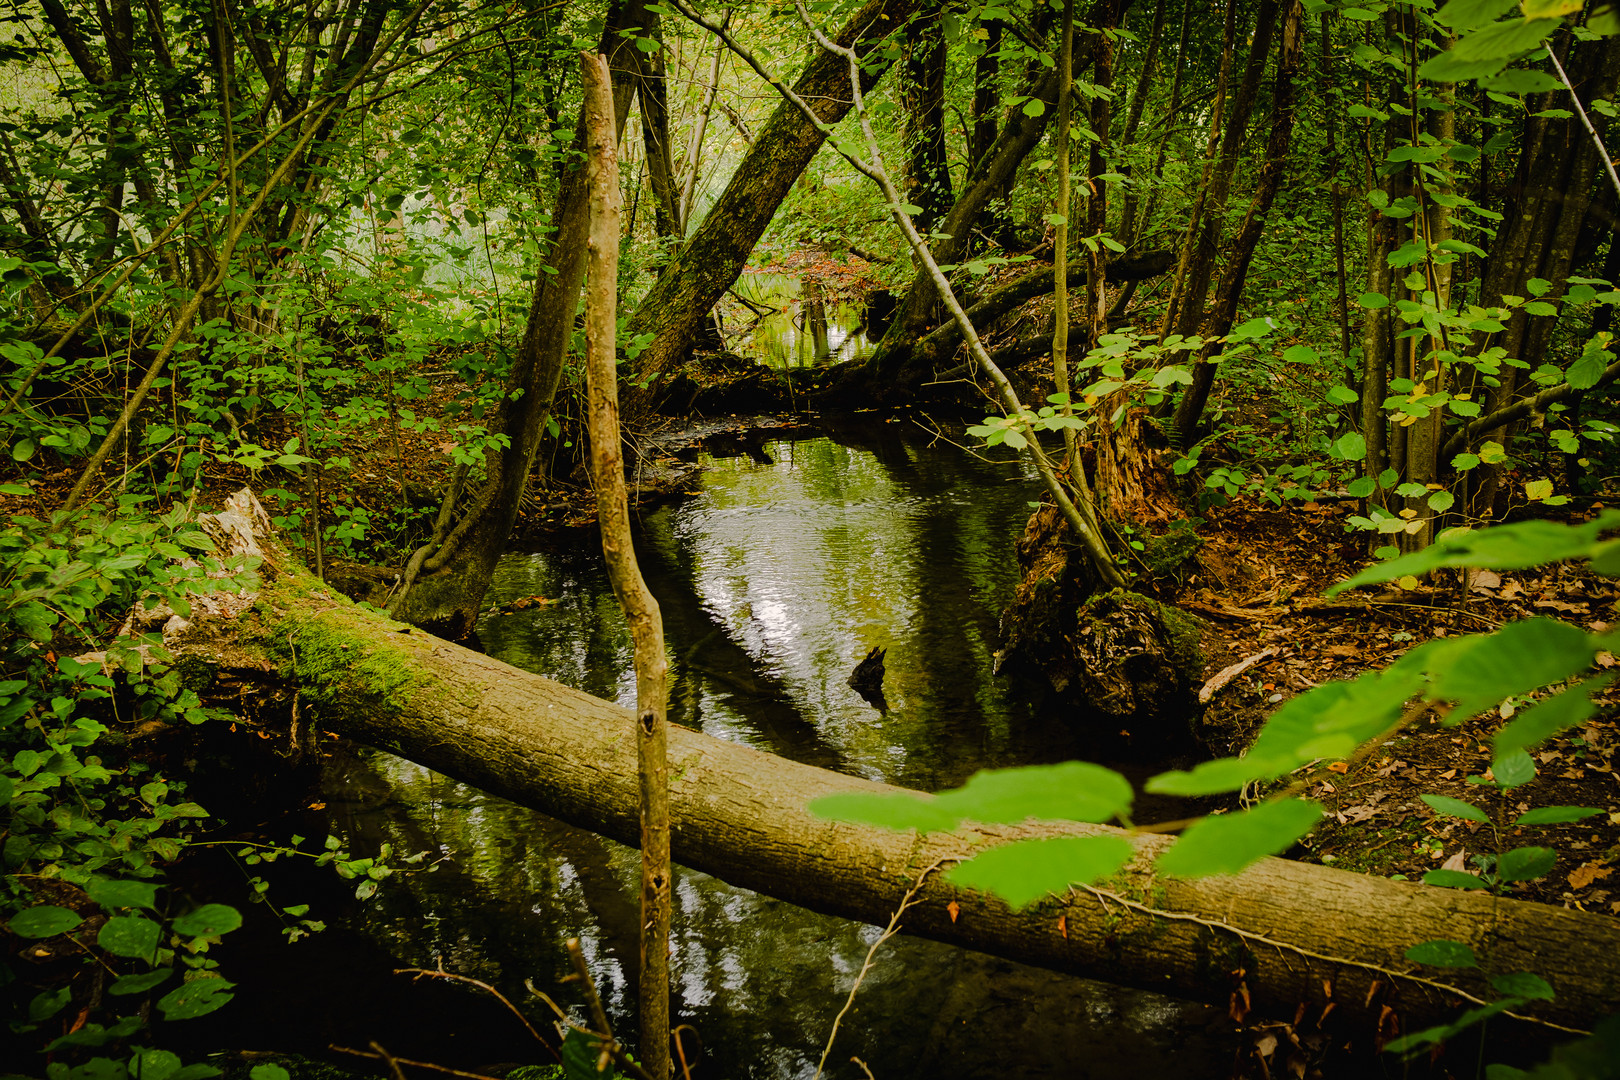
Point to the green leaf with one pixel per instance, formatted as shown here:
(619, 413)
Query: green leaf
(1526, 863)
(1443, 953)
(1588, 368)
(1464, 462)
(1455, 808)
(1021, 873)
(1503, 40)
(1071, 791)
(1504, 547)
(1465, 15)
(23, 449)
(1449, 67)
(276, 1072)
(112, 894)
(139, 984)
(1342, 395)
(130, 935)
(1361, 487)
(1034, 107)
(1301, 354)
(195, 998)
(1227, 843)
(1350, 446)
(1522, 81)
(1373, 301)
(1480, 670)
(44, 921)
(210, 920)
(146, 1064)
(1523, 984)
(1556, 815)
(1441, 501)
(1452, 879)
(1513, 770)
(1328, 721)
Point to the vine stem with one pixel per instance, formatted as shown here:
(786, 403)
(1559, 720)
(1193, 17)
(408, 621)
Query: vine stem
(1081, 518)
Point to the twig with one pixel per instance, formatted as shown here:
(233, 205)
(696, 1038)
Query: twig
(592, 1002)
(906, 903)
(1586, 121)
(394, 1062)
(1286, 946)
(524, 1020)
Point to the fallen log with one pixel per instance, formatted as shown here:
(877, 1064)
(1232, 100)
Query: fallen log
(1283, 938)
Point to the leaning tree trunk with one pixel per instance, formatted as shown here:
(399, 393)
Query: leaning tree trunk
(1285, 936)
(445, 579)
(692, 282)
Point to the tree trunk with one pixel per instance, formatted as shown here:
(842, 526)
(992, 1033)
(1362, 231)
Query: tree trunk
(445, 580)
(1284, 935)
(1236, 272)
(651, 90)
(710, 261)
(640, 609)
(928, 175)
(1184, 313)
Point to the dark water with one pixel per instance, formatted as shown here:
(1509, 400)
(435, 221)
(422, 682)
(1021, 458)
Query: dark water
(773, 582)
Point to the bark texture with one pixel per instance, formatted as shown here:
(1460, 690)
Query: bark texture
(1286, 935)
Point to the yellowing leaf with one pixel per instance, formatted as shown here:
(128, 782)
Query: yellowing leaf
(1550, 9)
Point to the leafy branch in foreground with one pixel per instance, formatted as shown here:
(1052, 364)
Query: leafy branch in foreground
(1457, 678)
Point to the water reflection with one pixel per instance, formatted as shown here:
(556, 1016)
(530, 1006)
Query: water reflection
(789, 321)
(774, 582)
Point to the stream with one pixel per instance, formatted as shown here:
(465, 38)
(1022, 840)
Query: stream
(773, 581)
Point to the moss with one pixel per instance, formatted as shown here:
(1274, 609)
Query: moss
(1186, 638)
(343, 656)
(1164, 554)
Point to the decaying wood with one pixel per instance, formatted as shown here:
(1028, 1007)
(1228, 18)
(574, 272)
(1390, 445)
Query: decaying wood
(1284, 935)
(1227, 674)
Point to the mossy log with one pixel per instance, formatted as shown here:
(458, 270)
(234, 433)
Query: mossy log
(1283, 938)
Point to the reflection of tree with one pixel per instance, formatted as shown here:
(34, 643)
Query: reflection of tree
(706, 653)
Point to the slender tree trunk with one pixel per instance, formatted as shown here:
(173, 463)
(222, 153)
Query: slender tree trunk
(1168, 123)
(694, 150)
(1184, 314)
(1133, 120)
(1331, 102)
(652, 92)
(928, 176)
(640, 609)
(986, 96)
(1060, 239)
(1236, 272)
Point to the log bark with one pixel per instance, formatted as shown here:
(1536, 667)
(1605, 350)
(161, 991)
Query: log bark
(1285, 935)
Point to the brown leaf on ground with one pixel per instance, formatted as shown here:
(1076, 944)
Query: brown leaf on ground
(1582, 876)
(1456, 862)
